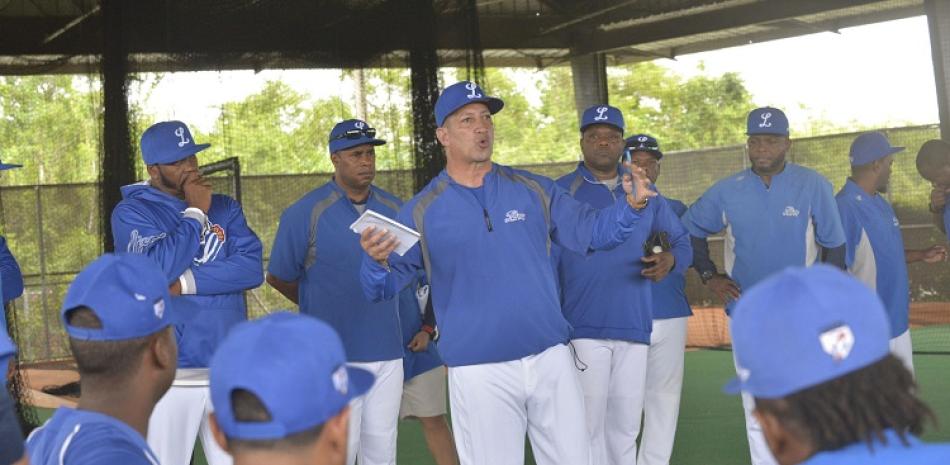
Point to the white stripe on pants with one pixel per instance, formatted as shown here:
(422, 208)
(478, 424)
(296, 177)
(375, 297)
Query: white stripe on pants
(661, 404)
(180, 415)
(374, 417)
(495, 404)
(613, 381)
(903, 349)
(758, 448)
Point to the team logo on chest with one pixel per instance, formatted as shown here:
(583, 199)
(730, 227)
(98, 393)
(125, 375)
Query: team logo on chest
(514, 215)
(790, 211)
(837, 342)
(211, 244)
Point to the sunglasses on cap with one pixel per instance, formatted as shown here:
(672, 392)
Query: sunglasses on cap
(356, 134)
(645, 146)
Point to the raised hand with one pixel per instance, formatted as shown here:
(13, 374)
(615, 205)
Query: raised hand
(378, 244)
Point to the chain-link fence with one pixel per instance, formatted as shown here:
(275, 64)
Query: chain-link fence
(53, 230)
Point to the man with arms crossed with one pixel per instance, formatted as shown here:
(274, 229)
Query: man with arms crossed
(487, 232)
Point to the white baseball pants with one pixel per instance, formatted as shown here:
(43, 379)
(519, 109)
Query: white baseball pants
(903, 349)
(495, 404)
(661, 405)
(374, 417)
(758, 448)
(179, 417)
(614, 382)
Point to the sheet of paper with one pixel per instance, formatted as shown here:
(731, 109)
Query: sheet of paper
(406, 236)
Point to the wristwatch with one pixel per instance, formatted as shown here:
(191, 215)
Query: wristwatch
(705, 276)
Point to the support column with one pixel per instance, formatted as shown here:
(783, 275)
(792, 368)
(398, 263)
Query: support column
(590, 80)
(118, 165)
(938, 18)
(424, 77)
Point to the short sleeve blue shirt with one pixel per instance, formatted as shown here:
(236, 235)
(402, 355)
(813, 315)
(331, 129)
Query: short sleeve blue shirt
(875, 250)
(892, 453)
(74, 436)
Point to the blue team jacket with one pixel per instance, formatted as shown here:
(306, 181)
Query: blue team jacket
(11, 281)
(603, 295)
(315, 247)
(493, 285)
(83, 436)
(669, 295)
(221, 266)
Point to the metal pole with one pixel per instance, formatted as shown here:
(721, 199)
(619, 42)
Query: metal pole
(43, 290)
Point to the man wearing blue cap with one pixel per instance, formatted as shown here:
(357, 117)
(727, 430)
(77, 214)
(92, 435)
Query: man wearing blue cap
(487, 232)
(842, 398)
(875, 252)
(281, 388)
(315, 263)
(775, 214)
(11, 438)
(11, 280)
(607, 297)
(665, 358)
(209, 256)
(119, 317)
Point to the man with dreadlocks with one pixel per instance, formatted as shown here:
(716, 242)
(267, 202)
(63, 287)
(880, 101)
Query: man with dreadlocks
(843, 398)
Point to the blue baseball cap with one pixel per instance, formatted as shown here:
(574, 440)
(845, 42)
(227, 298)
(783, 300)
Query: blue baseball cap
(602, 114)
(296, 367)
(350, 133)
(129, 295)
(644, 143)
(869, 147)
(803, 327)
(9, 166)
(767, 120)
(460, 94)
(167, 142)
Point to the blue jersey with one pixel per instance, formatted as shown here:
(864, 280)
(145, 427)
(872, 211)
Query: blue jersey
(77, 437)
(669, 295)
(11, 280)
(493, 285)
(7, 350)
(875, 250)
(892, 453)
(603, 294)
(768, 228)
(315, 247)
(218, 266)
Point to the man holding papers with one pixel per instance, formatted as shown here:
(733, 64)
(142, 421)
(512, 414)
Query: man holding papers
(315, 263)
(487, 232)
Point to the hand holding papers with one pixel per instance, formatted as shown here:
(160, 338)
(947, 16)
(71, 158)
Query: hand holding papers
(406, 237)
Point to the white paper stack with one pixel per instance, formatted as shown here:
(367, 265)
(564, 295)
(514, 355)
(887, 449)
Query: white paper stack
(406, 236)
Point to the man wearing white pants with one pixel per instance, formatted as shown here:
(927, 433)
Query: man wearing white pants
(209, 256)
(664, 380)
(486, 236)
(315, 263)
(876, 254)
(606, 296)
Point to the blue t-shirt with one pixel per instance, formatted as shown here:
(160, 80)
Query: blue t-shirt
(73, 436)
(875, 250)
(669, 295)
(768, 228)
(892, 453)
(315, 247)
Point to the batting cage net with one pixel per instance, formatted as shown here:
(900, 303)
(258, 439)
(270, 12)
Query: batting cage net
(52, 229)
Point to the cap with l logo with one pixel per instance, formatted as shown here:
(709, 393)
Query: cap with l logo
(602, 114)
(460, 94)
(767, 120)
(167, 142)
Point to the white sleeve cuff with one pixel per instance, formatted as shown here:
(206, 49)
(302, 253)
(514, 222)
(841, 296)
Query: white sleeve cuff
(187, 281)
(195, 214)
